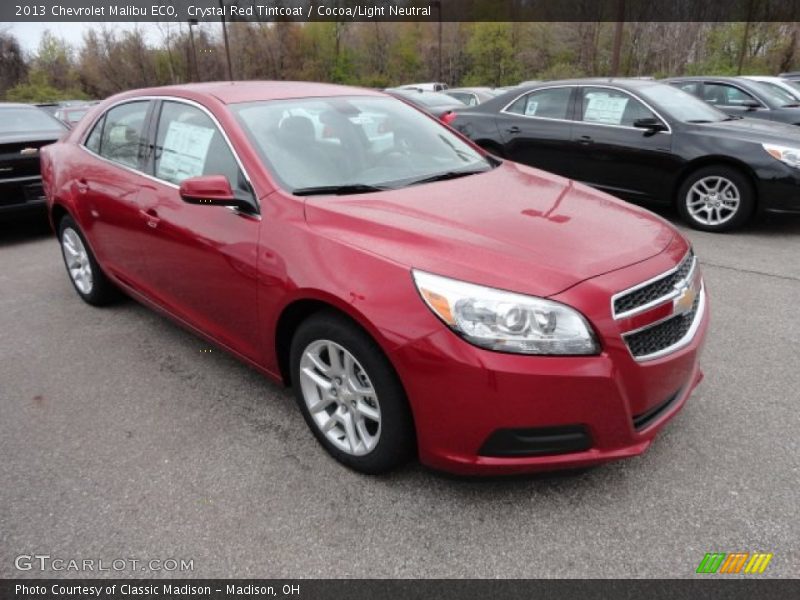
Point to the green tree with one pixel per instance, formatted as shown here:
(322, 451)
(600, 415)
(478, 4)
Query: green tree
(492, 56)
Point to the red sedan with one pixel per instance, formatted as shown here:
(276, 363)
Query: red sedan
(421, 296)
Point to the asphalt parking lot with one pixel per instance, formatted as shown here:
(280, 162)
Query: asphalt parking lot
(120, 438)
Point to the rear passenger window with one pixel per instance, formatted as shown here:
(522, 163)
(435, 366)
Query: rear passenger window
(552, 103)
(123, 138)
(189, 144)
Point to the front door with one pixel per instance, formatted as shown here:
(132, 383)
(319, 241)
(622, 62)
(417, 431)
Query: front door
(614, 155)
(202, 258)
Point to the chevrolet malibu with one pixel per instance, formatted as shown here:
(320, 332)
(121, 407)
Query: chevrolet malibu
(420, 296)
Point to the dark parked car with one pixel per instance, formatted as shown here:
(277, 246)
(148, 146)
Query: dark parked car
(434, 103)
(24, 129)
(646, 141)
(740, 97)
(472, 96)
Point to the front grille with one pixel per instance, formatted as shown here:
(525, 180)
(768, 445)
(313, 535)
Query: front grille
(655, 290)
(663, 335)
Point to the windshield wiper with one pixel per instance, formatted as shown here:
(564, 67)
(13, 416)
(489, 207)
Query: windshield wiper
(338, 190)
(733, 118)
(699, 121)
(447, 175)
(793, 105)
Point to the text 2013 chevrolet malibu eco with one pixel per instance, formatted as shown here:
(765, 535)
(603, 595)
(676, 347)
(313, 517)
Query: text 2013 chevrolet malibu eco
(419, 295)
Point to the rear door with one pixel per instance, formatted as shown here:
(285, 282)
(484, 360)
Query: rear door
(536, 129)
(108, 191)
(613, 155)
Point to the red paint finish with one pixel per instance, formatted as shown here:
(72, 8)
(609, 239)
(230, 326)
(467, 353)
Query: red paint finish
(230, 277)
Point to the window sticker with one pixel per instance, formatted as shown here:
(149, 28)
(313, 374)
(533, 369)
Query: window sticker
(184, 152)
(530, 109)
(604, 109)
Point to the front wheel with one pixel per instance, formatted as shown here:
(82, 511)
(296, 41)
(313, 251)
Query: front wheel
(716, 198)
(350, 395)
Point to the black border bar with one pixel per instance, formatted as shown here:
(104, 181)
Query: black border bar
(400, 10)
(741, 587)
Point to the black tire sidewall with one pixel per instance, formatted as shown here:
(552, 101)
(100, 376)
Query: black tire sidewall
(397, 441)
(746, 197)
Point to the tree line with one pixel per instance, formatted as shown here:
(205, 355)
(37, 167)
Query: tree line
(378, 54)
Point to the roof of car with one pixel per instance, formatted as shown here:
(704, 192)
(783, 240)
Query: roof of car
(626, 81)
(704, 78)
(18, 105)
(232, 92)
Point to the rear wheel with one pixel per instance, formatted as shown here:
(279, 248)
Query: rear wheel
(85, 274)
(716, 198)
(350, 395)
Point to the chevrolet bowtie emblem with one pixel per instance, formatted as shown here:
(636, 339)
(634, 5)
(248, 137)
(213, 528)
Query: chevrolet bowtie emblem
(685, 300)
(29, 151)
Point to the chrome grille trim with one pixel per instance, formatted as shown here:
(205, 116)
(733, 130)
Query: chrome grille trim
(684, 341)
(690, 257)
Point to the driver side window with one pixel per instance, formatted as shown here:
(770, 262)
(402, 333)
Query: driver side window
(123, 138)
(189, 144)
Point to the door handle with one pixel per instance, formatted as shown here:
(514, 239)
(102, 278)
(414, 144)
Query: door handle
(585, 140)
(513, 129)
(151, 217)
(82, 186)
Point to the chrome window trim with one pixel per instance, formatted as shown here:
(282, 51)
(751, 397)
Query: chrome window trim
(681, 343)
(656, 302)
(151, 98)
(504, 110)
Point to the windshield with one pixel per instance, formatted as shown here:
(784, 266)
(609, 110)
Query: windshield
(353, 143)
(21, 119)
(779, 95)
(681, 105)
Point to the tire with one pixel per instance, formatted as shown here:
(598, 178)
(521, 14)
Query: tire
(702, 209)
(380, 435)
(85, 274)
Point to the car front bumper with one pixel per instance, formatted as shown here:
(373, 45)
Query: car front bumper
(462, 396)
(21, 194)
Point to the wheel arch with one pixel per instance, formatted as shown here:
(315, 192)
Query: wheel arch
(304, 306)
(710, 161)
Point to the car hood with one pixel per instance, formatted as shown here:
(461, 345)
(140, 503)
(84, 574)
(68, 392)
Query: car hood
(513, 228)
(751, 130)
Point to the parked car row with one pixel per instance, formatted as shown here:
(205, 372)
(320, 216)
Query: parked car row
(646, 141)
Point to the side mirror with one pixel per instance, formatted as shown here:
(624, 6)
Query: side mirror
(214, 190)
(651, 124)
(751, 105)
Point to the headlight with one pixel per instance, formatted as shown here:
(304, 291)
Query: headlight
(785, 154)
(504, 321)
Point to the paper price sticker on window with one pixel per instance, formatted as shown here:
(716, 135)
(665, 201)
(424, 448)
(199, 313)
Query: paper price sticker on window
(603, 109)
(184, 152)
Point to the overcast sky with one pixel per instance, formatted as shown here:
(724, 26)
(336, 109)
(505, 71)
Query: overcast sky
(28, 34)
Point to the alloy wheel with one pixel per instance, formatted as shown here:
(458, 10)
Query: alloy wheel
(713, 200)
(340, 397)
(77, 259)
